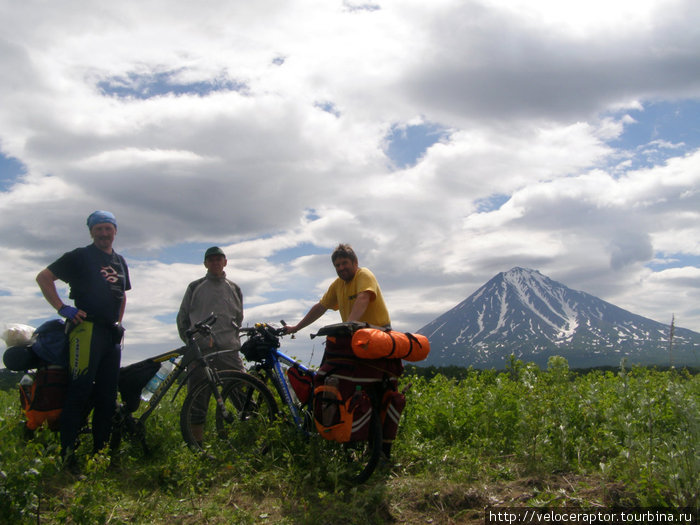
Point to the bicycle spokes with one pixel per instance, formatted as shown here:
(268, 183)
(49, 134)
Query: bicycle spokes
(232, 425)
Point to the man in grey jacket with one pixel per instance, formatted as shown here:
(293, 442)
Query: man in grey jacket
(213, 293)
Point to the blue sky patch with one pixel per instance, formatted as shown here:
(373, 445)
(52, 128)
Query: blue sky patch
(328, 107)
(491, 203)
(158, 84)
(168, 318)
(311, 214)
(662, 130)
(289, 254)
(407, 144)
(674, 260)
(10, 169)
(187, 253)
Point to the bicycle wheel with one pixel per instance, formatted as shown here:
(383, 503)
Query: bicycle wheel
(248, 412)
(355, 461)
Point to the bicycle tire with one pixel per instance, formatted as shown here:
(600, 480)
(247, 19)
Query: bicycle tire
(251, 410)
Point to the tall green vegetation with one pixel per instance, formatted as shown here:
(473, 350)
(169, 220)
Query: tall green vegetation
(632, 435)
(640, 427)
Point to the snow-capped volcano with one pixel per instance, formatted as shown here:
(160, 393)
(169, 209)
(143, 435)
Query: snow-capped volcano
(525, 313)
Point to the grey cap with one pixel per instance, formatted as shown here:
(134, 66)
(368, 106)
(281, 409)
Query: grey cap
(214, 250)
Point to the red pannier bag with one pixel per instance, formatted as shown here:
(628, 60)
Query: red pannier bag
(301, 383)
(43, 401)
(340, 415)
(392, 406)
(342, 406)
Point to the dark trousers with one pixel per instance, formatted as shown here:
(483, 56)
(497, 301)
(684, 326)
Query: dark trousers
(94, 360)
(226, 360)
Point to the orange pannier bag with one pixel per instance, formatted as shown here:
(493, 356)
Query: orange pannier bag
(372, 343)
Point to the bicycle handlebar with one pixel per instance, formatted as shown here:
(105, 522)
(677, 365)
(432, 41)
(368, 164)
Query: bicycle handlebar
(265, 330)
(203, 327)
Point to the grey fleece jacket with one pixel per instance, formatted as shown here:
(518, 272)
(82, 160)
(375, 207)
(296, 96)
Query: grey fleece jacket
(220, 296)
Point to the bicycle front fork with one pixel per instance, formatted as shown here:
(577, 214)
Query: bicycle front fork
(214, 383)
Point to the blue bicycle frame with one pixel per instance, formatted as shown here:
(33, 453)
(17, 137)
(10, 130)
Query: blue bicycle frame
(270, 363)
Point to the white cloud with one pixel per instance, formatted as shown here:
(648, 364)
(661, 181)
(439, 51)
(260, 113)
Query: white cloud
(134, 157)
(262, 127)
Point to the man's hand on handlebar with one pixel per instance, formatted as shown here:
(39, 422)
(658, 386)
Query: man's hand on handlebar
(286, 329)
(202, 327)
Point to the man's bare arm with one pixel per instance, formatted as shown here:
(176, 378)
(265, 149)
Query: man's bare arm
(47, 283)
(313, 314)
(360, 307)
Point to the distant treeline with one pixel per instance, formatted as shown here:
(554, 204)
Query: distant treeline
(460, 372)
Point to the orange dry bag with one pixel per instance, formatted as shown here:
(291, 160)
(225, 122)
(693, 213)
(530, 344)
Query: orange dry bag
(370, 343)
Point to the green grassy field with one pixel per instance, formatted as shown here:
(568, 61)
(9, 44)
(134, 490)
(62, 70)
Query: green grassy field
(522, 437)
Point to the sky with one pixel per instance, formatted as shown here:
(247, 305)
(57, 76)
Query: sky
(447, 141)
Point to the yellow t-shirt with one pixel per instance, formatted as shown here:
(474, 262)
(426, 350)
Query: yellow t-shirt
(341, 296)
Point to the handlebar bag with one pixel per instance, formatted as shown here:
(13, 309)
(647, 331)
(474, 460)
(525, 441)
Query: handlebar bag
(255, 349)
(371, 343)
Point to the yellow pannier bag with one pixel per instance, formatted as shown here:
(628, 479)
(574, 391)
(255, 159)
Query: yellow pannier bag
(371, 343)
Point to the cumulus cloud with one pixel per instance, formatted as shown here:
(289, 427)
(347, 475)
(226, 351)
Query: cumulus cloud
(278, 129)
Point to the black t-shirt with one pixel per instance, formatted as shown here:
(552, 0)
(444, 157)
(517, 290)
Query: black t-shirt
(97, 281)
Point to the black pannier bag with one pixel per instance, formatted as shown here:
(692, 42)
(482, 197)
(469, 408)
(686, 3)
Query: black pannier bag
(19, 358)
(132, 380)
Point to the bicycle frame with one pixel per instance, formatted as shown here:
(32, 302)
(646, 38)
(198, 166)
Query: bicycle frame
(191, 353)
(278, 378)
(271, 367)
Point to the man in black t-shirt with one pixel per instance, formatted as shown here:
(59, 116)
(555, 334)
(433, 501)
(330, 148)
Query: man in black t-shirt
(98, 278)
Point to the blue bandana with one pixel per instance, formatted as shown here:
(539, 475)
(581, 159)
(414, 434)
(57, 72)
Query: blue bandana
(100, 216)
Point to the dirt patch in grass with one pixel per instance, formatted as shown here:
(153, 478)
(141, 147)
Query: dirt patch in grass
(417, 501)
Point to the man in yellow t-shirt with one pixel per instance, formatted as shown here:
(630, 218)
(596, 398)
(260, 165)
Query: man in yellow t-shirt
(355, 293)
